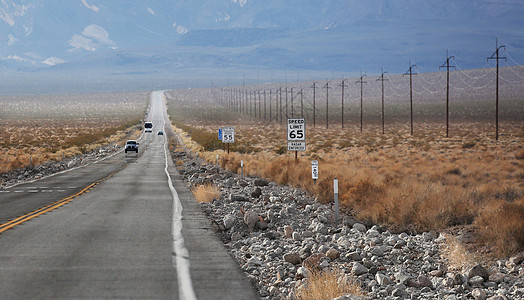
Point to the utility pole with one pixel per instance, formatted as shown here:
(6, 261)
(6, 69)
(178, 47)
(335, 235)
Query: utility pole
(496, 56)
(381, 78)
(314, 108)
(292, 109)
(259, 106)
(265, 110)
(301, 103)
(410, 73)
(447, 66)
(327, 103)
(285, 92)
(361, 82)
(280, 92)
(343, 85)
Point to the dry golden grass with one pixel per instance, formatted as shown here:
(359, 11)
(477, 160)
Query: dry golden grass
(457, 256)
(51, 128)
(206, 193)
(501, 224)
(425, 181)
(327, 285)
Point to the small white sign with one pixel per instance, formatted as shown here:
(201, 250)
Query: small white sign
(296, 146)
(228, 135)
(314, 169)
(296, 129)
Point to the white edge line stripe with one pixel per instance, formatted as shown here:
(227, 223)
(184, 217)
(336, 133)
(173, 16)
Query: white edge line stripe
(181, 255)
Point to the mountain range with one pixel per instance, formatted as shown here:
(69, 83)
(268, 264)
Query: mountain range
(202, 42)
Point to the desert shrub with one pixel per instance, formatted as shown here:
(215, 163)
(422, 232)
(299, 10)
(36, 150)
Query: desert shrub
(206, 193)
(501, 223)
(327, 285)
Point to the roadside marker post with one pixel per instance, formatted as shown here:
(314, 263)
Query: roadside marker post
(242, 168)
(217, 161)
(314, 170)
(335, 190)
(296, 135)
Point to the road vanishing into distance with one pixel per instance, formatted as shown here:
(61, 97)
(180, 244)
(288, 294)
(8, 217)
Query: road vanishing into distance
(124, 227)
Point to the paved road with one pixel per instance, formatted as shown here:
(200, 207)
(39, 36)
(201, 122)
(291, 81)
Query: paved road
(126, 227)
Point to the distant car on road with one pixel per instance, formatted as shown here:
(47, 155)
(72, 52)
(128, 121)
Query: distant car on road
(160, 132)
(148, 126)
(131, 145)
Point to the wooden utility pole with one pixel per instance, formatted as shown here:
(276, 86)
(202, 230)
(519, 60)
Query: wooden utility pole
(447, 66)
(382, 79)
(410, 73)
(361, 82)
(496, 56)
(327, 103)
(280, 92)
(285, 92)
(343, 85)
(292, 110)
(314, 87)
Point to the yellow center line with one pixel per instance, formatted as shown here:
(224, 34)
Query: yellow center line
(52, 206)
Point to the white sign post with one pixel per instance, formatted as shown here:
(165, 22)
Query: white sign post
(335, 192)
(314, 170)
(296, 135)
(228, 136)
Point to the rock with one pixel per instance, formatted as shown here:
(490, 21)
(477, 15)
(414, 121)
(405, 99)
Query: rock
(301, 273)
(498, 297)
(424, 281)
(256, 193)
(296, 236)
(354, 256)
(476, 281)
(402, 278)
(333, 253)
(236, 236)
(399, 293)
(237, 198)
(262, 225)
(478, 270)
(254, 261)
(358, 269)
(229, 221)
(517, 259)
(261, 182)
(359, 227)
(251, 218)
(382, 279)
(288, 231)
(479, 294)
(313, 261)
(377, 252)
(497, 277)
(292, 258)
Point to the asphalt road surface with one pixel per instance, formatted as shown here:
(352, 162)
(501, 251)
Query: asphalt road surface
(124, 227)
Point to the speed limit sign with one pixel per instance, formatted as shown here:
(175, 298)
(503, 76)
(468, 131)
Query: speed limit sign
(296, 134)
(228, 135)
